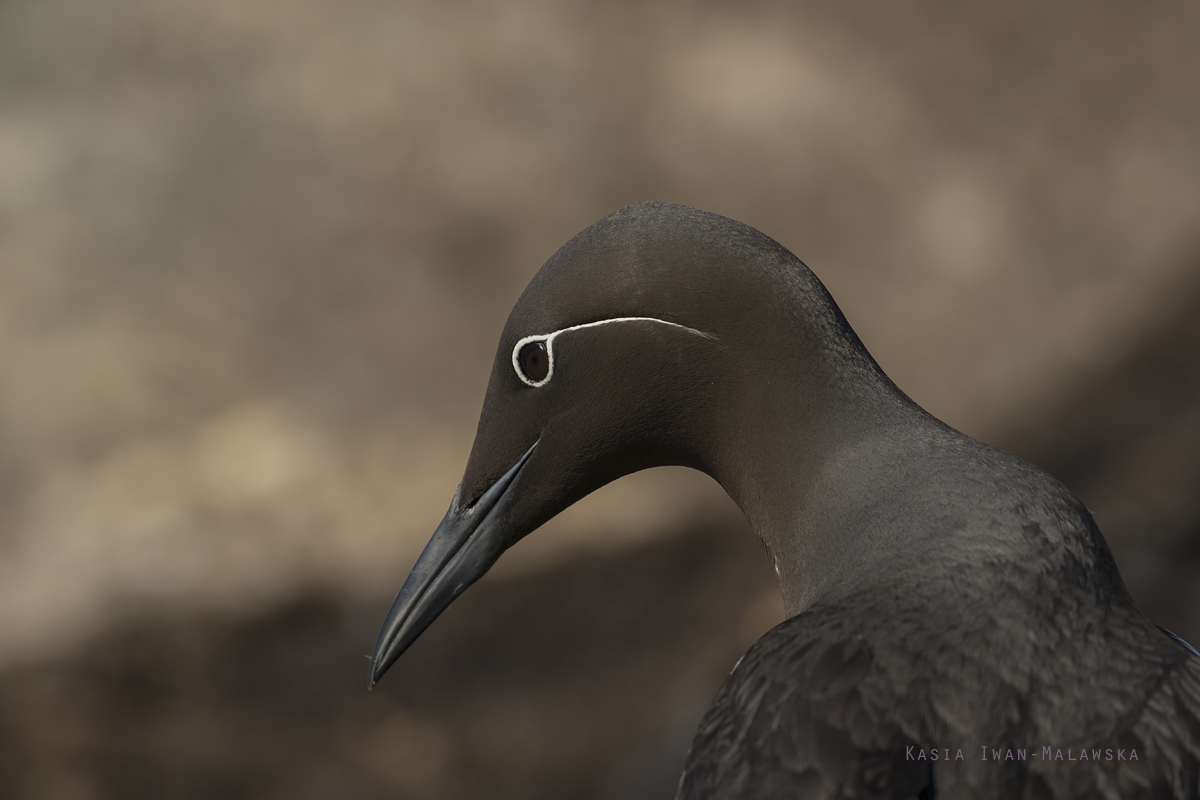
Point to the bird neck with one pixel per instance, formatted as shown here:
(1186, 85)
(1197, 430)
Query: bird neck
(808, 466)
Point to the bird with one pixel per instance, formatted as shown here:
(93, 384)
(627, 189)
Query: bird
(956, 624)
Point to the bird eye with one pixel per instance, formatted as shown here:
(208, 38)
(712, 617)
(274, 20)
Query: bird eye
(534, 361)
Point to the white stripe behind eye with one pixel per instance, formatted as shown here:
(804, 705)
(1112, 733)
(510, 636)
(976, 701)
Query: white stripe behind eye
(549, 338)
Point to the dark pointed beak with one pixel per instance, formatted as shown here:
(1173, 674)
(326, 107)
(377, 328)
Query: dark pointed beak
(464, 546)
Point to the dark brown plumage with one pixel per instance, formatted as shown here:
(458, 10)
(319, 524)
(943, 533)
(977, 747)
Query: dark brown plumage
(945, 597)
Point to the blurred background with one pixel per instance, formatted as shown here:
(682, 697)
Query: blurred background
(254, 261)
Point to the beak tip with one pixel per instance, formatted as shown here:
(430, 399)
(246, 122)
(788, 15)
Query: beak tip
(376, 671)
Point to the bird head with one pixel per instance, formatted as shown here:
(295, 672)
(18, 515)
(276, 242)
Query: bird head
(640, 343)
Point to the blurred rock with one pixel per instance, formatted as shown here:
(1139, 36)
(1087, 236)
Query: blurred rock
(254, 258)
(585, 680)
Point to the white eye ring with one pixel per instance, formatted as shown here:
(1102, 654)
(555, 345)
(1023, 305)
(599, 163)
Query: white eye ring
(548, 339)
(521, 373)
